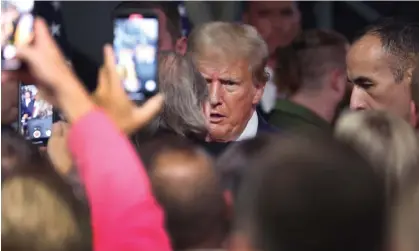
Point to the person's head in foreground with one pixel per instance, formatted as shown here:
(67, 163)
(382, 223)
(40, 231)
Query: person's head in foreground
(315, 194)
(232, 58)
(39, 210)
(188, 189)
(387, 141)
(380, 65)
(185, 93)
(233, 162)
(17, 153)
(392, 147)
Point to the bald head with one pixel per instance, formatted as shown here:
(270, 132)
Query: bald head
(186, 186)
(179, 173)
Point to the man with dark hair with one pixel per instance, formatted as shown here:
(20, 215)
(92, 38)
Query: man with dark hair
(315, 194)
(188, 189)
(170, 27)
(320, 62)
(380, 65)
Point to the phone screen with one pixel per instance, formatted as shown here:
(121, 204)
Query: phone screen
(16, 30)
(135, 45)
(36, 115)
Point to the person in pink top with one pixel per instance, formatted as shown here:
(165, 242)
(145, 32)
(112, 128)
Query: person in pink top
(125, 215)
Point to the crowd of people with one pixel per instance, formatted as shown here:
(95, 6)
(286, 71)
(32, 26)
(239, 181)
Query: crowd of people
(263, 137)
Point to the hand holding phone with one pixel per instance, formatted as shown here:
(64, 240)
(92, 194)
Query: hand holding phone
(110, 95)
(136, 50)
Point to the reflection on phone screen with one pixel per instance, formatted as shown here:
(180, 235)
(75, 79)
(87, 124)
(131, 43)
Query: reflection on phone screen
(36, 115)
(135, 45)
(16, 29)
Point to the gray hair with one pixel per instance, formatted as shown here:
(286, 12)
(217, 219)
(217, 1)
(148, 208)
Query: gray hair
(185, 92)
(232, 41)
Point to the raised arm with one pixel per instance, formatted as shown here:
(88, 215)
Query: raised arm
(125, 215)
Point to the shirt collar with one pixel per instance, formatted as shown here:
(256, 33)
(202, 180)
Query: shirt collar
(251, 128)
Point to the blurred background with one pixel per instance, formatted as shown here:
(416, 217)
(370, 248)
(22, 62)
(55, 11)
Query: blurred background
(88, 24)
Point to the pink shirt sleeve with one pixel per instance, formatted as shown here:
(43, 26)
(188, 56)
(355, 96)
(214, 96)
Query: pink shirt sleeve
(125, 215)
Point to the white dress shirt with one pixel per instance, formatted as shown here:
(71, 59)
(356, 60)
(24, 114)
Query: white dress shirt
(269, 96)
(27, 101)
(251, 128)
(36, 107)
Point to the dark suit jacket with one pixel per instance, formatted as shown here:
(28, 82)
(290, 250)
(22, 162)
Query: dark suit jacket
(212, 148)
(217, 148)
(27, 109)
(265, 127)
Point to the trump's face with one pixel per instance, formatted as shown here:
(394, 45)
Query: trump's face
(233, 96)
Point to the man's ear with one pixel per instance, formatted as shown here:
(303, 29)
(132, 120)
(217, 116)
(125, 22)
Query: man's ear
(338, 83)
(414, 117)
(259, 89)
(228, 198)
(181, 45)
(408, 75)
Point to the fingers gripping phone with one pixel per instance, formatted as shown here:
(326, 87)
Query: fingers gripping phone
(136, 49)
(16, 30)
(36, 116)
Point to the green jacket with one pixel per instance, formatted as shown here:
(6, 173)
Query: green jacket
(289, 115)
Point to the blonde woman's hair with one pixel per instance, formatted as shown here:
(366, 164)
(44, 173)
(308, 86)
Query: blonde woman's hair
(389, 142)
(230, 41)
(40, 212)
(392, 146)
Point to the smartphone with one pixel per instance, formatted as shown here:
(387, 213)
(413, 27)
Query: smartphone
(135, 43)
(36, 116)
(16, 30)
